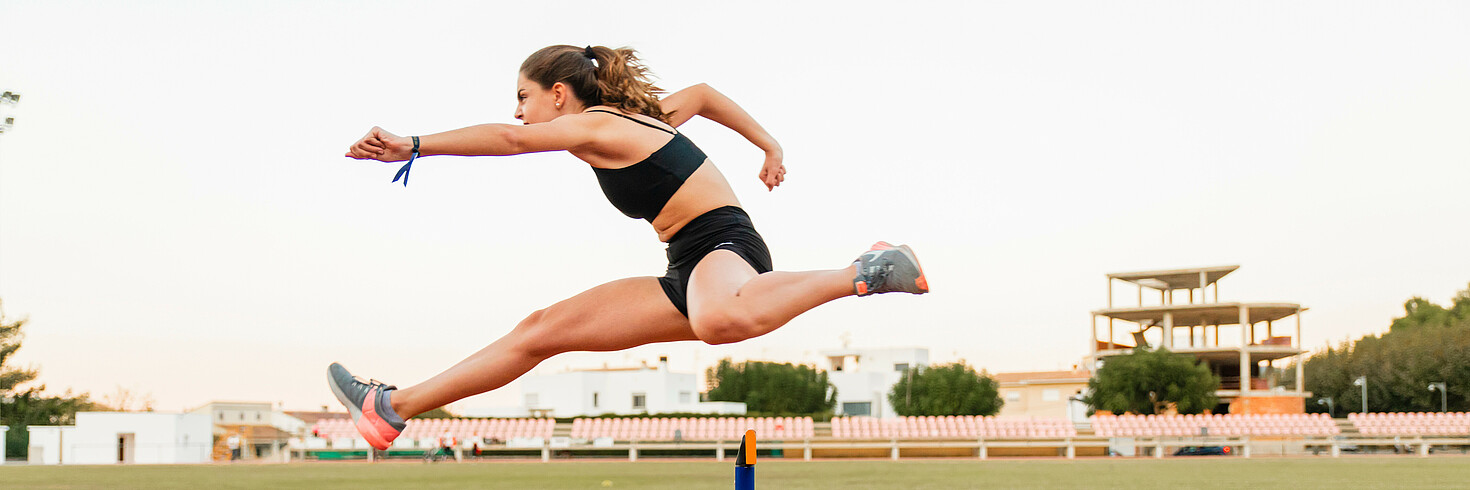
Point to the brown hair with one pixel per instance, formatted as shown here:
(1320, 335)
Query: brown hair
(617, 78)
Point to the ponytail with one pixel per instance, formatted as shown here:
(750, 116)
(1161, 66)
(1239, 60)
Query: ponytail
(598, 75)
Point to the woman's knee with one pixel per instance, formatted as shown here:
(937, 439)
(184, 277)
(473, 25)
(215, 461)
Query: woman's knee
(536, 335)
(723, 326)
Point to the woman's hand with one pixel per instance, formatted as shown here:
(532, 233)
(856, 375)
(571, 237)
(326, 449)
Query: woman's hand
(382, 146)
(773, 173)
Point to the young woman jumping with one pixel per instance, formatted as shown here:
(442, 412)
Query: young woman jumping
(598, 104)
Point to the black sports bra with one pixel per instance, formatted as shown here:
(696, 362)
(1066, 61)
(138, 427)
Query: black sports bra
(642, 189)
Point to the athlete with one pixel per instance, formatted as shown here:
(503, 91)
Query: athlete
(598, 104)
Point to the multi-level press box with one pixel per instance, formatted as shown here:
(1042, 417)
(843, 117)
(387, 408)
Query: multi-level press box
(1242, 343)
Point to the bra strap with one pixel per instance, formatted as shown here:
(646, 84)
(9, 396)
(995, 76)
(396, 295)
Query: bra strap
(631, 118)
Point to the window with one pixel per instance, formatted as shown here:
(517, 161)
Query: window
(1050, 395)
(242, 415)
(257, 415)
(222, 416)
(594, 399)
(901, 367)
(1013, 396)
(640, 401)
(684, 397)
(533, 400)
(857, 408)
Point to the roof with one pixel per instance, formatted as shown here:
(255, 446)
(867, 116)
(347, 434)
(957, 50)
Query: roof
(1043, 377)
(1175, 278)
(312, 417)
(217, 404)
(1203, 314)
(257, 432)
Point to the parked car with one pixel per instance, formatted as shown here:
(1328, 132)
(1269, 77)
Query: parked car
(1203, 451)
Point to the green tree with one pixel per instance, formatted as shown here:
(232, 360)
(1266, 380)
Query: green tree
(1150, 381)
(1429, 344)
(945, 389)
(771, 388)
(19, 409)
(10, 335)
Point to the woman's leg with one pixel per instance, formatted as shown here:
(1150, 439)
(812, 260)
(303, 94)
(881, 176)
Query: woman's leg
(730, 302)
(614, 316)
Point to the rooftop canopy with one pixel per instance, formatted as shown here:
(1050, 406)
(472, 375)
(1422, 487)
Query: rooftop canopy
(1175, 279)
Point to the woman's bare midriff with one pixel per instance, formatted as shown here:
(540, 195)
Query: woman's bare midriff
(705, 190)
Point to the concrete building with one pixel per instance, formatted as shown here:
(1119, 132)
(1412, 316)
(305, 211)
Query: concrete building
(863, 377)
(1050, 394)
(123, 437)
(1244, 358)
(265, 430)
(623, 391)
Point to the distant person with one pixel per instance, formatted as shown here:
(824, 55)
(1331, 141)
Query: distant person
(446, 444)
(233, 442)
(598, 104)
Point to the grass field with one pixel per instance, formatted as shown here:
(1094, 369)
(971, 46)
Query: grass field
(1346, 472)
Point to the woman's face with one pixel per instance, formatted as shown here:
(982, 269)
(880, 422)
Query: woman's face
(533, 103)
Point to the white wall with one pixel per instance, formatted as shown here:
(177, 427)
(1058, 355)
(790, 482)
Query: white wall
(570, 394)
(288, 424)
(868, 374)
(46, 443)
(238, 413)
(157, 438)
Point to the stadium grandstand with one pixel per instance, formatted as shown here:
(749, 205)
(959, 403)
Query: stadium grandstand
(426, 432)
(695, 429)
(1217, 424)
(1411, 423)
(924, 436)
(951, 427)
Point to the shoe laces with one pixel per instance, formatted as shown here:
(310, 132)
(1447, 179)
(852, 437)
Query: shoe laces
(875, 271)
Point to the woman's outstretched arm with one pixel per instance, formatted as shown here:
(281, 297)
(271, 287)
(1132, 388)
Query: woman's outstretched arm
(703, 100)
(563, 133)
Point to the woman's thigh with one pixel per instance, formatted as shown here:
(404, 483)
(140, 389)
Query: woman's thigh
(716, 281)
(618, 315)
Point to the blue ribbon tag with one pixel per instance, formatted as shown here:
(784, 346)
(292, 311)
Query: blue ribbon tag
(403, 172)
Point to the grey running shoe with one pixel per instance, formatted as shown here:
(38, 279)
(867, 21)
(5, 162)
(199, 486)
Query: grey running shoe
(369, 408)
(886, 269)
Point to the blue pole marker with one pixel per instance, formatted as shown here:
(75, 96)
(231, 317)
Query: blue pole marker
(745, 463)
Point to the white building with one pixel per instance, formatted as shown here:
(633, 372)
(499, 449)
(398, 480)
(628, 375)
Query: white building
(231, 414)
(266, 430)
(863, 377)
(124, 437)
(623, 391)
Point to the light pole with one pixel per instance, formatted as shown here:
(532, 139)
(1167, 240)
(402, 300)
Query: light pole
(1363, 382)
(1331, 410)
(1444, 395)
(7, 122)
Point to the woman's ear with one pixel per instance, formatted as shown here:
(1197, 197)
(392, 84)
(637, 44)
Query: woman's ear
(560, 93)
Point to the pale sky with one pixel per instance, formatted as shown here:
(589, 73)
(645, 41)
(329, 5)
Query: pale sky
(177, 219)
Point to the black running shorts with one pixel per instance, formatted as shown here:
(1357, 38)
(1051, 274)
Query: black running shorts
(727, 228)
